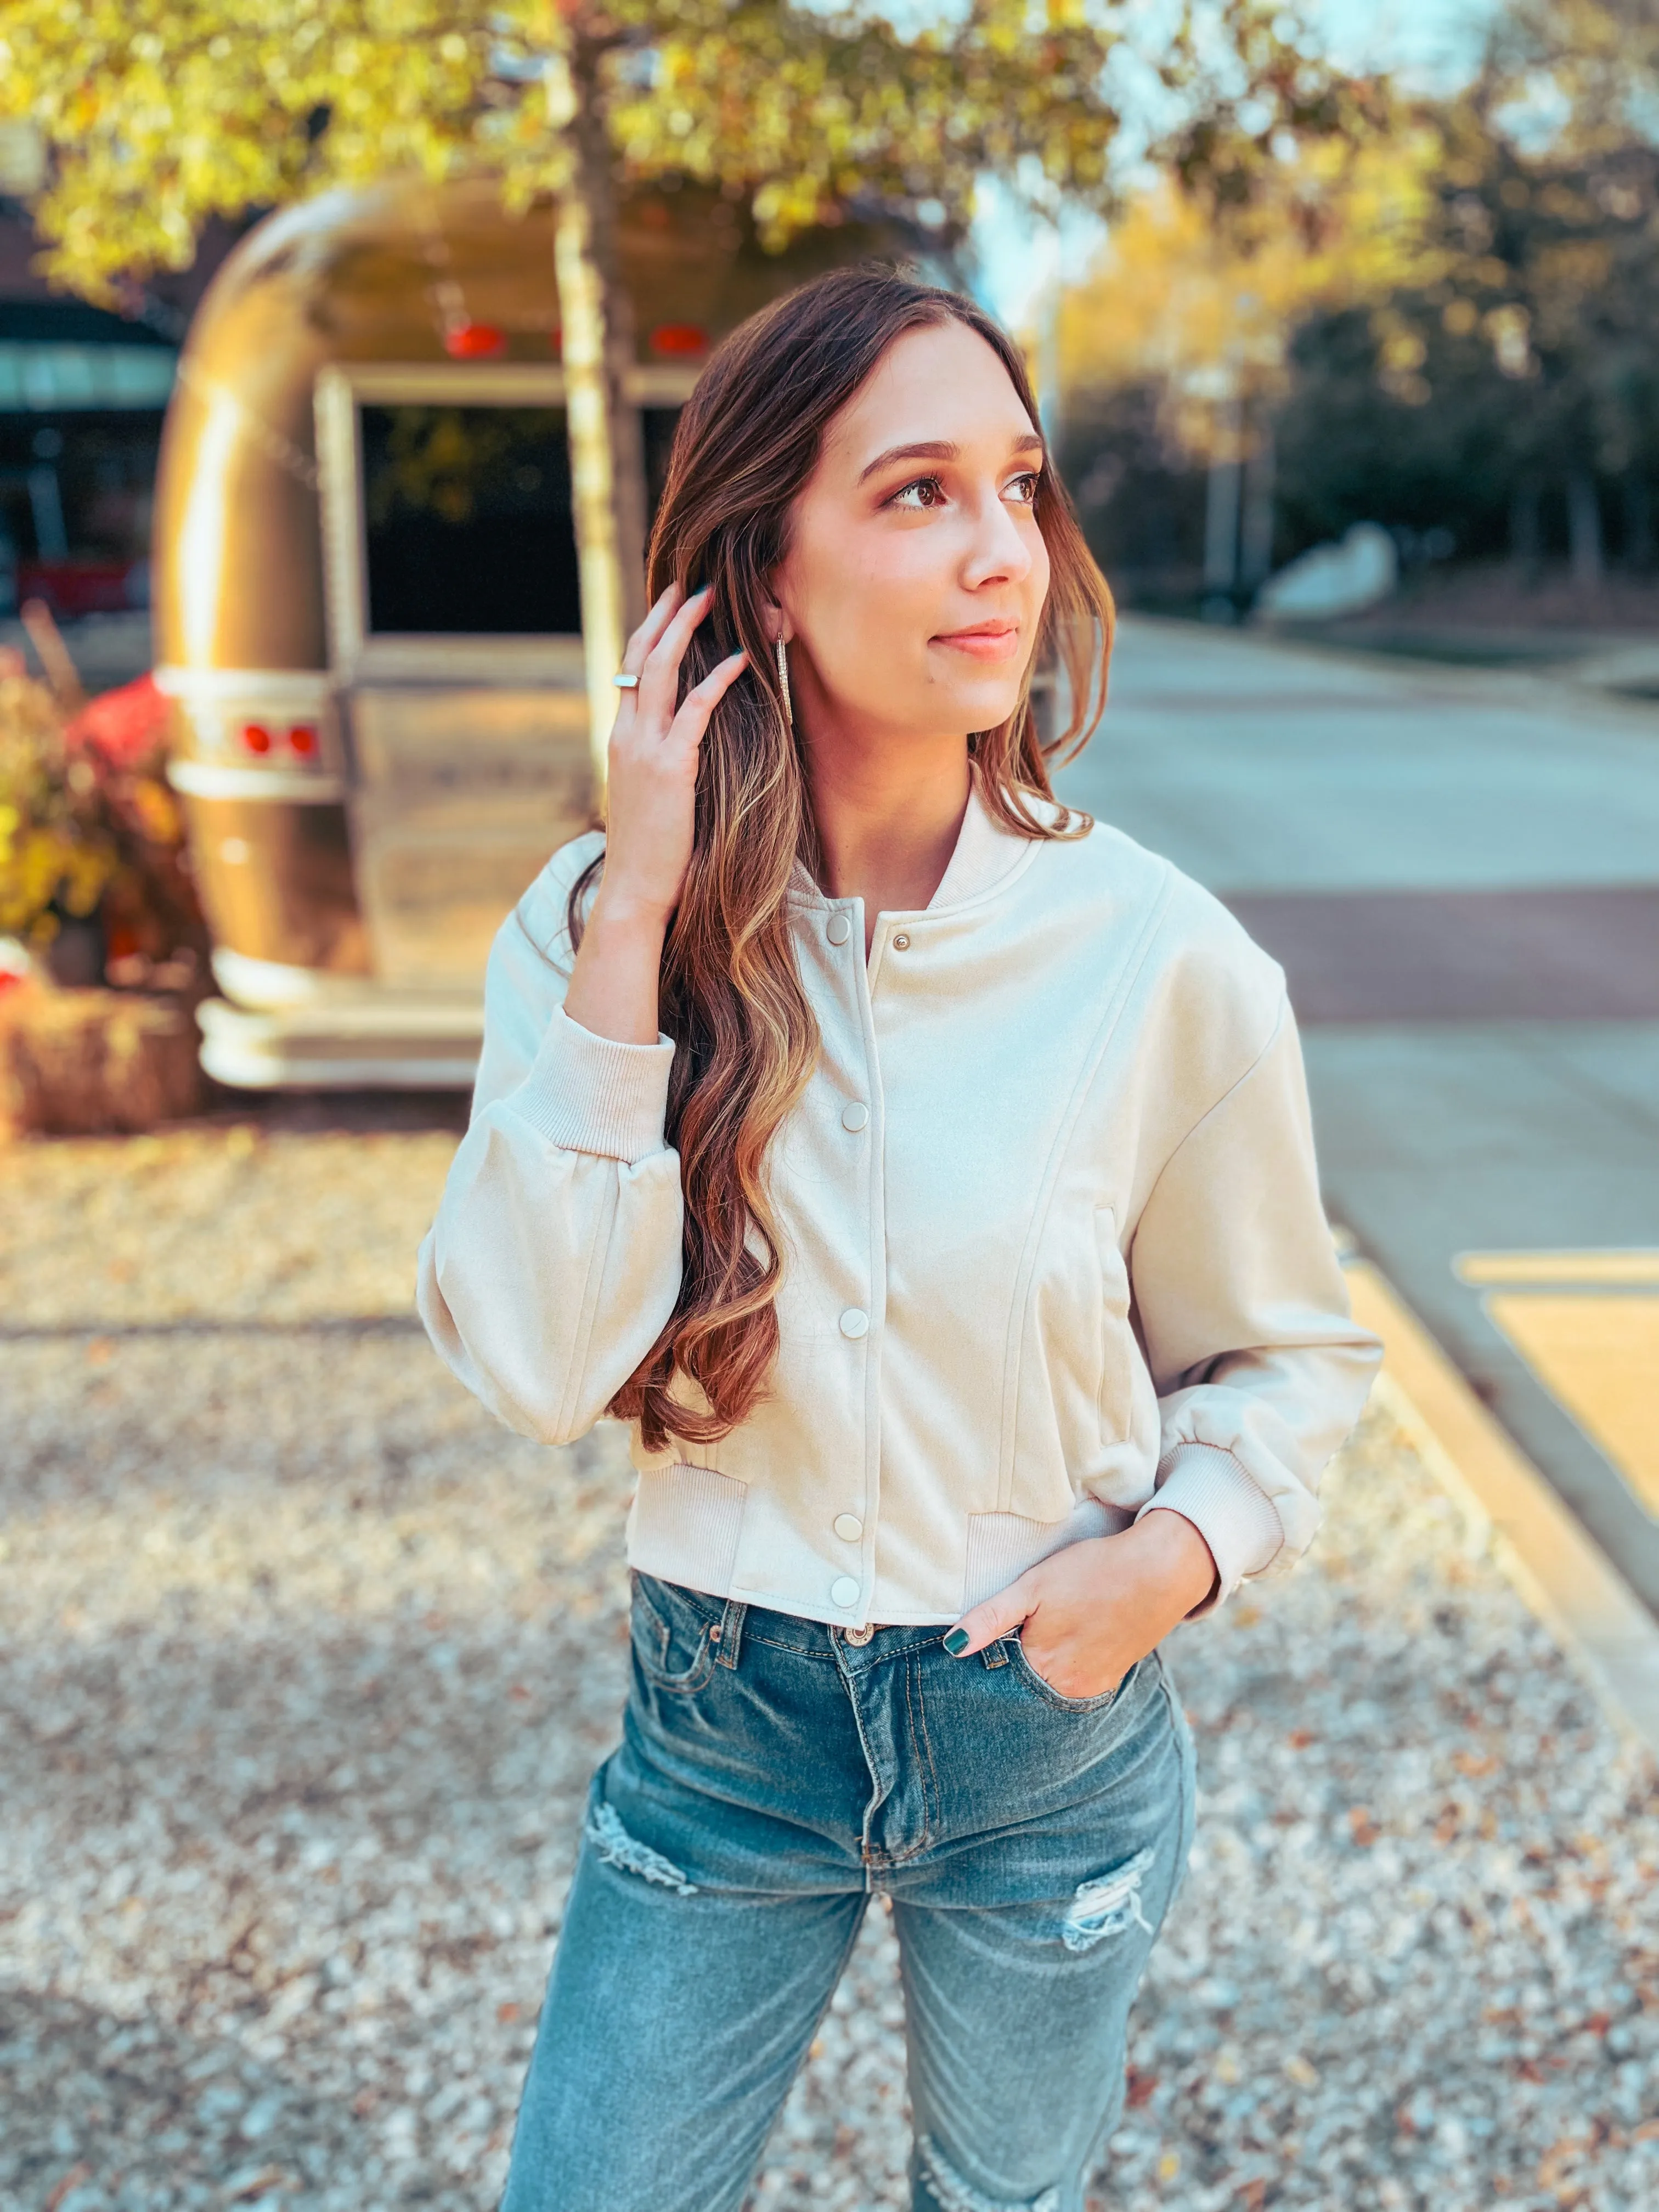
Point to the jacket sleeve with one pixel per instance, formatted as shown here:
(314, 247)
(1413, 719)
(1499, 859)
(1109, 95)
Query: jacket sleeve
(1259, 1367)
(554, 1258)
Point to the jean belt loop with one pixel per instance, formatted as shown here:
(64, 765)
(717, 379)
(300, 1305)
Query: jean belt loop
(995, 1653)
(730, 1633)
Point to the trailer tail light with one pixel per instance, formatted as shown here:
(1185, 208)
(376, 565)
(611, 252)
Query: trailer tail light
(677, 339)
(302, 739)
(474, 342)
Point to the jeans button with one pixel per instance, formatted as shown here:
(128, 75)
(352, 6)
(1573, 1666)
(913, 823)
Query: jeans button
(858, 1635)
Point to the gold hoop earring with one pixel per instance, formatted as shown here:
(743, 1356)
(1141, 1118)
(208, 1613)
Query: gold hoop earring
(783, 683)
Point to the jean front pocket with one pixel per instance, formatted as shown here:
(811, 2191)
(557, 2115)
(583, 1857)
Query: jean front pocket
(1046, 1690)
(670, 1629)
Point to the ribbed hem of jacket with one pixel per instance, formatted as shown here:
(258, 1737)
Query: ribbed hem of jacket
(1235, 1516)
(589, 1093)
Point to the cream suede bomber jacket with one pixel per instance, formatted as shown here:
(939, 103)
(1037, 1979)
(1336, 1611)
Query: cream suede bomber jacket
(1053, 1250)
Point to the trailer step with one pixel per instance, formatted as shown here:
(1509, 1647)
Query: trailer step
(380, 1042)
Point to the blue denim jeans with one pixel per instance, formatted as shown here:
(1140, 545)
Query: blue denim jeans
(774, 1775)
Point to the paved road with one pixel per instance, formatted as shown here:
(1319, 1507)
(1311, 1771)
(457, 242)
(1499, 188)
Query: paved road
(1460, 871)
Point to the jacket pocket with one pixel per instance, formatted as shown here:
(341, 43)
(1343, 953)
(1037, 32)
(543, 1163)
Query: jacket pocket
(1115, 1396)
(1075, 1382)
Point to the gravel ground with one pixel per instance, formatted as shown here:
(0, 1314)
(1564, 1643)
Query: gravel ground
(305, 1664)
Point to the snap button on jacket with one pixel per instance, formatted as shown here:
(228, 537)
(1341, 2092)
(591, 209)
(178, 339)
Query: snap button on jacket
(1073, 1261)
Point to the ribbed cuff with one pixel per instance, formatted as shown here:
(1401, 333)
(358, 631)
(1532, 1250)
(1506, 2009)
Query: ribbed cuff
(589, 1093)
(1235, 1518)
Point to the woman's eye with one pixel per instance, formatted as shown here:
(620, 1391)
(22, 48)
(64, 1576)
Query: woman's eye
(1023, 488)
(926, 491)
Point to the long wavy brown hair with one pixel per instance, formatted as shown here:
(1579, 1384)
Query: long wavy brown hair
(748, 439)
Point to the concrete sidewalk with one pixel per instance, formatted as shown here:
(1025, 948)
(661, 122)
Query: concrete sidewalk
(1460, 871)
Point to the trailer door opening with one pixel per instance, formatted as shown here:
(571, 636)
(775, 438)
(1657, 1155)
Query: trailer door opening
(466, 521)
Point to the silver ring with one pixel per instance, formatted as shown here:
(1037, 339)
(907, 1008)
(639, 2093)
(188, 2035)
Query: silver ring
(626, 683)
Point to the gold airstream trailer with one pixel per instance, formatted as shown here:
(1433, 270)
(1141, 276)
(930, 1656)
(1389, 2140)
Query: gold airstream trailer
(367, 618)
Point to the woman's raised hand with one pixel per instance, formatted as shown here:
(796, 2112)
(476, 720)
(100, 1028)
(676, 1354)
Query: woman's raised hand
(654, 746)
(650, 814)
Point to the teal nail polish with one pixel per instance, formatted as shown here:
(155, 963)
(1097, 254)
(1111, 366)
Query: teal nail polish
(957, 1641)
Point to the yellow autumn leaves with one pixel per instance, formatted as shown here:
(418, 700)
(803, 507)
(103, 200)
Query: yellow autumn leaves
(53, 858)
(205, 107)
(157, 119)
(1176, 298)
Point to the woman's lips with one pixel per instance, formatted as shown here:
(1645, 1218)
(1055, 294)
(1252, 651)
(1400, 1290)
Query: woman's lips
(990, 643)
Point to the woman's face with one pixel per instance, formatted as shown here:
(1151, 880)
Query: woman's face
(916, 574)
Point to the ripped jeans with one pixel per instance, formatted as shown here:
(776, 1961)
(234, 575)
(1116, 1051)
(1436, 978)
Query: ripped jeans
(773, 1775)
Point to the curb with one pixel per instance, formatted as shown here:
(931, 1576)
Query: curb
(1517, 682)
(1601, 1624)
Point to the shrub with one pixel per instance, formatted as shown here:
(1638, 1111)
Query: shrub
(88, 826)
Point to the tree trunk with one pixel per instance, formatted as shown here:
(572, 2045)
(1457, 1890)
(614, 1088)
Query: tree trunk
(1639, 524)
(1584, 530)
(607, 446)
(1526, 528)
(1222, 502)
(1256, 535)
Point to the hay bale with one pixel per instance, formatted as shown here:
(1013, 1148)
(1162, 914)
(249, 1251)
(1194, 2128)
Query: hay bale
(94, 1063)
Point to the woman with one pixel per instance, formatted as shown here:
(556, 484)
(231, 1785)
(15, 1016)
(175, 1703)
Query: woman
(924, 1171)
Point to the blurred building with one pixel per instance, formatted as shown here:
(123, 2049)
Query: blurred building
(82, 394)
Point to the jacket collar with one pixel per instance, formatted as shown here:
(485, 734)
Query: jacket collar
(984, 855)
